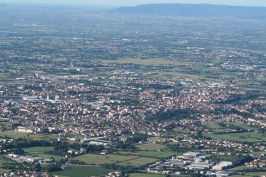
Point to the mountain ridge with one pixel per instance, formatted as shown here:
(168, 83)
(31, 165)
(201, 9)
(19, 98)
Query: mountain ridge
(199, 10)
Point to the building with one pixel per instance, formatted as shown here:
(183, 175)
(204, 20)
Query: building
(222, 165)
(192, 154)
(225, 173)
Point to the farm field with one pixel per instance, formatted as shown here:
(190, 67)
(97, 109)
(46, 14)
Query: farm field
(156, 154)
(100, 159)
(81, 172)
(13, 134)
(4, 170)
(37, 149)
(154, 61)
(251, 174)
(241, 137)
(159, 62)
(138, 162)
(151, 146)
(239, 168)
(245, 126)
(181, 130)
(217, 128)
(145, 175)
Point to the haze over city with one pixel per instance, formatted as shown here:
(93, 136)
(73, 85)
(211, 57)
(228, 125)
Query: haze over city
(136, 2)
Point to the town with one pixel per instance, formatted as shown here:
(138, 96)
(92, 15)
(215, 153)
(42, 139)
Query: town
(111, 96)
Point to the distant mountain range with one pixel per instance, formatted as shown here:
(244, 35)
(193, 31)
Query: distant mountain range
(194, 10)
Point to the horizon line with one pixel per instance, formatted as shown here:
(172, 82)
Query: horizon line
(104, 5)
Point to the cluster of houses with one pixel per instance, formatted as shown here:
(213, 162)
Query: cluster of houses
(25, 174)
(115, 107)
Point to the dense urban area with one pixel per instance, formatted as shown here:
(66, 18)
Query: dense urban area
(86, 92)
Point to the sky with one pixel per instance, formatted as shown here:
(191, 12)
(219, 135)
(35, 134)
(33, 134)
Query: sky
(137, 2)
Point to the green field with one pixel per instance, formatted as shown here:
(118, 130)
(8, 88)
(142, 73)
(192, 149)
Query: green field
(241, 137)
(156, 154)
(4, 170)
(217, 128)
(151, 147)
(251, 174)
(239, 168)
(245, 126)
(81, 172)
(126, 159)
(181, 131)
(145, 175)
(150, 62)
(101, 159)
(37, 149)
(138, 162)
(13, 134)
(146, 62)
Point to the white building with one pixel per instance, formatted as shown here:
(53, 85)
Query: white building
(222, 165)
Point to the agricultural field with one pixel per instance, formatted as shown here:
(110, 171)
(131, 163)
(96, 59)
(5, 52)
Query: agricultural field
(156, 154)
(76, 171)
(36, 150)
(4, 170)
(245, 126)
(138, 162)
(217, 127)
(13, 134)
(181, 130)
(145, 62)
(251, 174)
(145, 175)
(126, 160)
(39, 151)
(151, 146)
(101, 159)
(241, 137)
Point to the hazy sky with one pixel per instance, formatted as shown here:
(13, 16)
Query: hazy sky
(136, 2)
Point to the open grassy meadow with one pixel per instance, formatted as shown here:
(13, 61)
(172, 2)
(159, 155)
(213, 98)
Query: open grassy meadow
(150, 61)
(251, 174)
(126, 160)
(156, 154)
(4, 170)
(241, 137)
(245, 126)
(217, 128)
(239, 168)
(37, 149)
(151, 146)
(76, 171)
(145, 175)
(13, 134)
(101, 159)
(138, 162)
